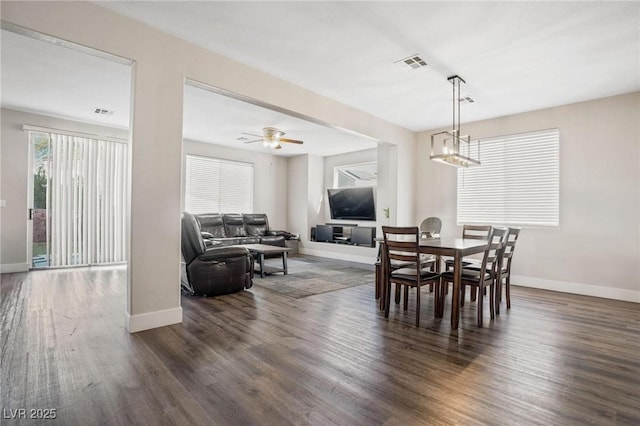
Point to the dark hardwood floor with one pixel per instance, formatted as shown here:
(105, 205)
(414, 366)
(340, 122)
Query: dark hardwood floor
(260, 358)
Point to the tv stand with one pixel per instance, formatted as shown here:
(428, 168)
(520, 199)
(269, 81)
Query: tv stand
(343, 233)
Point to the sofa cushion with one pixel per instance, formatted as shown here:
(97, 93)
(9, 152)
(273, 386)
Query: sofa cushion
(234, 225)
(212, 223)
(256, 224)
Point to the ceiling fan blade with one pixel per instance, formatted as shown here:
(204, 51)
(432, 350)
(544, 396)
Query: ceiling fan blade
(291, 141)
(257, 140)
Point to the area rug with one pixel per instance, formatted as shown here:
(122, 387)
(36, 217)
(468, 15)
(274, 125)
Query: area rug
(309, 275)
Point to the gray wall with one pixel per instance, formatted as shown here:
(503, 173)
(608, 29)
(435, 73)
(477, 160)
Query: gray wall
(596, 248)
(270, 176)
(14, 175)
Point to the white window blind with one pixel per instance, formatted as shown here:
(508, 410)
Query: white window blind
(86, 200)
(517, 183)
(218, 186)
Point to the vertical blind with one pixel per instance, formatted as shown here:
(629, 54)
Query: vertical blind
(86, 201)
(517, 183)
(218, 186)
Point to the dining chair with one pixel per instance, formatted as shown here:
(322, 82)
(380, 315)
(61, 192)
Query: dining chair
(402, 246)
(431, 226)
(470, 232)
(482, 277)
(504, 272)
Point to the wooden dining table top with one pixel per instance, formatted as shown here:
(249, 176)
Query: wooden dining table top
(456, 244)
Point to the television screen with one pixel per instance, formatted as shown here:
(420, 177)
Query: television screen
(352, 203)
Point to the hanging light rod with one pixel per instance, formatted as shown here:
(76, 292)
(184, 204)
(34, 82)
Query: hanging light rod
(450, 147)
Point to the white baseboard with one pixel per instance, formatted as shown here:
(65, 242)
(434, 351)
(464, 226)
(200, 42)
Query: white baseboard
(339, 256)
(135, 323)
(8, 268)
(577, 288)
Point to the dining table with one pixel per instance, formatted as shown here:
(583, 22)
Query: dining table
(457, 248)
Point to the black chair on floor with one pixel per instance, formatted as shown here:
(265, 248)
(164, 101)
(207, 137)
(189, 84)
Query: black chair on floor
(212, 271)
(401, 246)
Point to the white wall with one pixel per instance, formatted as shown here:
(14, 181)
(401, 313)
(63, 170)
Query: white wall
(596, 249)
(270, 178)
(14, 175)
(162, 63)
(297, 185)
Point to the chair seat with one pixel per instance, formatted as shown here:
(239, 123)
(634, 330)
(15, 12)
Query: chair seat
(467, 275)
(475, 265)
(449, 262)
(411, 274)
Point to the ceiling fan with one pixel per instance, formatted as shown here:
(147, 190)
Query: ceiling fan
(271, 138)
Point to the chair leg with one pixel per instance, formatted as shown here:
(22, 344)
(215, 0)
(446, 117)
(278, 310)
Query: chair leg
(498, 291)
(480, 305)
(417, 305)
(398, 287)
(492, 300)
(387, 300)
(472, 291)
(462, 291)
(406, 297)
(508, 290)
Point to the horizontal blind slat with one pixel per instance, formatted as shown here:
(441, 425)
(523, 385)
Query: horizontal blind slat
(218, 186)
(517, 183)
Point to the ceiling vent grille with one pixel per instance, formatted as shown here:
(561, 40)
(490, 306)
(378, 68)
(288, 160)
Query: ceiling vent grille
(414, 61)
(467, 99)
(103, 111)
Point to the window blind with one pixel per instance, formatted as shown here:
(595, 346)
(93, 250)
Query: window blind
(517, 183)
(218, 186)
(86, 200)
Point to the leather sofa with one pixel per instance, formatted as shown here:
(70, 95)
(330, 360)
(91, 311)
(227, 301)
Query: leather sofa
(249, 228)
(211, 271)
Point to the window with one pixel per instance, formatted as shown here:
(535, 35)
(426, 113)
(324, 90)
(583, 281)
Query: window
(517, 183)
(218, 186)
(364, 174)
(79, 200)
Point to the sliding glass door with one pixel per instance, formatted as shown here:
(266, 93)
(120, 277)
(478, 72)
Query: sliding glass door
(79, 194)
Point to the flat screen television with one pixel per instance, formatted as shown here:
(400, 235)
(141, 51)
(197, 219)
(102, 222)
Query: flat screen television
(352, 203)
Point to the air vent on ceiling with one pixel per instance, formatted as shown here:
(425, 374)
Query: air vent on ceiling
(103, 111)
(242, 139)
(467, 99)
(414, 61)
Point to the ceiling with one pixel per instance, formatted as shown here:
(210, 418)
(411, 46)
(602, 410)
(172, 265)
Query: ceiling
(515, 57)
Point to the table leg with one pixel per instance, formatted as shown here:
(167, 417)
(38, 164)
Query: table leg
(439, 293)
(261, 260)
(284, 262)
(455, 297)
(383, 279)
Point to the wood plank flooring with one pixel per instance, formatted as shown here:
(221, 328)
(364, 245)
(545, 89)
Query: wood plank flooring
(261, 358)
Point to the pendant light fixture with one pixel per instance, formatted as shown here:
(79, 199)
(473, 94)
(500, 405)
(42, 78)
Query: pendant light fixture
(449, 147)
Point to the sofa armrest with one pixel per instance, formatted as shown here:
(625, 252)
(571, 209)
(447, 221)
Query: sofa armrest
(206, 235)
(285, 234)
(222, 253)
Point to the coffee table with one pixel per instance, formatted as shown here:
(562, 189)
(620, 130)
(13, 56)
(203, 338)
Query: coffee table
(260, 250)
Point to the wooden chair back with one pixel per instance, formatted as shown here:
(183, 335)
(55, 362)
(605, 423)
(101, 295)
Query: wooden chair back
(476, 232)
(492, 257)
(510, 246)
(402, 245)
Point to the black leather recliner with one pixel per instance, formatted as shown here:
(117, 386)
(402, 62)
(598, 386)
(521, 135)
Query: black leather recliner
(212, 271)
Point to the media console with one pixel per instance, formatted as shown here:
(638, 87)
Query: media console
(350, 234)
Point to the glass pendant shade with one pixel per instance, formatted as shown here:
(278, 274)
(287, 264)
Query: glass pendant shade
(449, 147)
